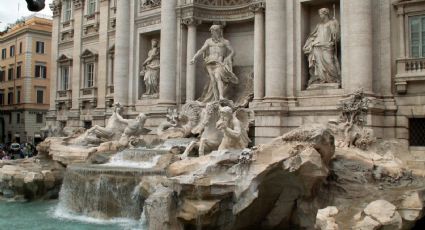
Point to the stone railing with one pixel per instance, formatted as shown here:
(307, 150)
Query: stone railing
(88, 92)
(408, 70)
(64, 94)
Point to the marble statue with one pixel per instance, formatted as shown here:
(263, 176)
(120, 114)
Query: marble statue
(117, 128)
(321, 49)
(235, 126)
(179, 124)
(135, 128)
(349, 129)
(210, 135)
(150, 70)
(52, 131)
(218, 55)
(220, 128)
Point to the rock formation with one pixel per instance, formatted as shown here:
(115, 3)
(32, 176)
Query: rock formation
(274, 192)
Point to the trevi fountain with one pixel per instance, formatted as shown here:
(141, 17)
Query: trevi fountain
(201, 169)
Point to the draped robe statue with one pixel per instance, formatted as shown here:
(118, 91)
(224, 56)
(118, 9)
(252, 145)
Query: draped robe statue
(320, 48)
(150, 71)
(218, 55)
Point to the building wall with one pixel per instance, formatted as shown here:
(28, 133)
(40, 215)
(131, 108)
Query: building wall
(373, 54)
(34, 29)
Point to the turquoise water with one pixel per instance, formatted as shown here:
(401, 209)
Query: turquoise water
(43, 215)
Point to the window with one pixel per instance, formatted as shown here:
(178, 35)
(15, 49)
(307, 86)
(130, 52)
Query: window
(417, 131)
(91, 7)
(89, 75)
(12, 51)
(10, 98)
(39, 48)
(67, 10)
(1, 98)
(417, 36)
(10, 74)
(18, 118)
(40, 94)
(20, 47)
(87, 124)
(40, 71)
(3, 53)
(64, 78)
(18, 71)
(18, 96)
(2, 73)
(39, 118)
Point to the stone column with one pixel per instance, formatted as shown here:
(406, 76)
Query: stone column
(102, 66)
(402, 33)
(191, 50)
(122, 58)
(55, 7)
(275, 49)
(167, 79)
(259, 50)
(76, 52)
(357, 38)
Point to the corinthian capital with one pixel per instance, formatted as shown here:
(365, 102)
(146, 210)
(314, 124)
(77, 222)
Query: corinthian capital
(191, 21)
(55, 6)
(78, 4)
(257, 6)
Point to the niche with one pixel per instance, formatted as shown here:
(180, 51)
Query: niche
(310, 19)
(145, 44)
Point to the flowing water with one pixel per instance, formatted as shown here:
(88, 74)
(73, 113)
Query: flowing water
(44, 215)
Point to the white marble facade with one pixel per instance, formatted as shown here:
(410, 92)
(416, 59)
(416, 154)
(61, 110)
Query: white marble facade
(373, 50)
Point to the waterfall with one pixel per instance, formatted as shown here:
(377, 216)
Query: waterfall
(109, 190)
(100, 194)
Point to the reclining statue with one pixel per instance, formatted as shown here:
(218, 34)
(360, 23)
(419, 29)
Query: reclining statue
(116, 128)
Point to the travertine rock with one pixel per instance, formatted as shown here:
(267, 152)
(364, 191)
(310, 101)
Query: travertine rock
(411, 207)
(273, 191)
(30, 179)
(159, 208)
(379, 214)
(325, 219)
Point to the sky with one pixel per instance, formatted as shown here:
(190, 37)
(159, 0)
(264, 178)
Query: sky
(9, 11)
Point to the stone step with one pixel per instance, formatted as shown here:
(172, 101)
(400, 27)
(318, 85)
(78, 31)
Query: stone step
(418, 164)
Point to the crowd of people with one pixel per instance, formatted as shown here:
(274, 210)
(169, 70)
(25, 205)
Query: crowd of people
(13, 151)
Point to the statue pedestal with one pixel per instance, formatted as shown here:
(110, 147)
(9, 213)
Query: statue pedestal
(149, 96)
(323, 86)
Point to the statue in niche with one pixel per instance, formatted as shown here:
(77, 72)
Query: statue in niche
(321, 49)
(150, 70)
(235, 126)
(218, 55)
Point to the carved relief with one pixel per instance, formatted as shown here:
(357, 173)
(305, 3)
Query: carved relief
(148, 4)
(222, 2)
(349, 129)
(78, 4)
(55, 6)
